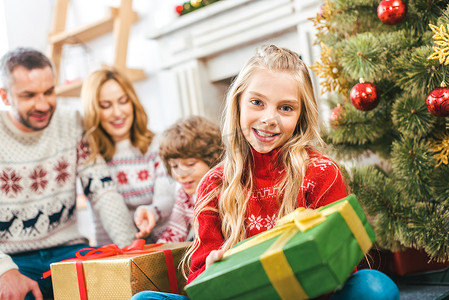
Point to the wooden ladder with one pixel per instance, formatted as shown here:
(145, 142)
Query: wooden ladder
(119, 21)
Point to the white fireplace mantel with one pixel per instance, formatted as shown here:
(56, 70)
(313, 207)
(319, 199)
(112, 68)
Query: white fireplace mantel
(203, 49)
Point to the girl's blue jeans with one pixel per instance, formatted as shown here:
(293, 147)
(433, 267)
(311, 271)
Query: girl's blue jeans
(365, 284)
(33, 263)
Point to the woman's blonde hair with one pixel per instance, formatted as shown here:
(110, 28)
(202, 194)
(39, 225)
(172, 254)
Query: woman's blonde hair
(100, 142)
(238, 161)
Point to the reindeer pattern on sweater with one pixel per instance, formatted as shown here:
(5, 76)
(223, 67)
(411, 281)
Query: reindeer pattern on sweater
(38, 172)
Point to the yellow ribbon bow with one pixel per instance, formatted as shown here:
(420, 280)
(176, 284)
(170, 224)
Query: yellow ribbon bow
(273, 259)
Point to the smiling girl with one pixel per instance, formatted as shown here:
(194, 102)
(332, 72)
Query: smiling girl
(116, 128)
(271, 166)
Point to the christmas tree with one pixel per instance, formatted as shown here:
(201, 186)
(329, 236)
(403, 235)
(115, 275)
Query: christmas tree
(384, 70)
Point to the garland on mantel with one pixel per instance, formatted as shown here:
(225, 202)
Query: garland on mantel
(192, 5)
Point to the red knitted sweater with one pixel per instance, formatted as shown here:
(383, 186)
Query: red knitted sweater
(323, 184)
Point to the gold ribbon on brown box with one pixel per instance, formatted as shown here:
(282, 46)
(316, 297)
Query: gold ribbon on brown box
(273, 259)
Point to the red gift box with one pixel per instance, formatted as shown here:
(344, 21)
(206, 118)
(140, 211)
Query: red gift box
(414, 261)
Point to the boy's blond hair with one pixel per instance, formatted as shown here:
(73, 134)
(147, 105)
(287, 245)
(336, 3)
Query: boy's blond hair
(194, 137)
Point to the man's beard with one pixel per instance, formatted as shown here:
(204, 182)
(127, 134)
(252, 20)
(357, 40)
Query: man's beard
(25, 120)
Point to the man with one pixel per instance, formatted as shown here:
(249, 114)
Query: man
(41, 154)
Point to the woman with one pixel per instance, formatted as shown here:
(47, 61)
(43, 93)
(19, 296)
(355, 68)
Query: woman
(116, 129)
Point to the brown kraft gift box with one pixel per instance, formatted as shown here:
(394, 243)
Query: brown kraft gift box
(120, 276)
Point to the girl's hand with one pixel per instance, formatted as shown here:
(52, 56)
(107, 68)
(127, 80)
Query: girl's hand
(214, 255)
(145, 221)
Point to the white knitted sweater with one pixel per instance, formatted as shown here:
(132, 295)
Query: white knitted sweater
(142, 180)
(38, 173)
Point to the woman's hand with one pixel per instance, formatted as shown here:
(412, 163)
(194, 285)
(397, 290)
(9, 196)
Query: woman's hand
(145, 221)
(214, 255)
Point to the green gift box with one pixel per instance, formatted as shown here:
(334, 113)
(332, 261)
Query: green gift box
(307, 254)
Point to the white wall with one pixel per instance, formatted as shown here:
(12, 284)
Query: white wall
(4, 41)
(28, 23)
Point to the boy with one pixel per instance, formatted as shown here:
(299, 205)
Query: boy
(189, 149)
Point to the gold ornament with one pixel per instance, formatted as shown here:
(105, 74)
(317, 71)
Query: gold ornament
(440, 145)
(321, 21)
(441, 38)
(195, 3)
(330, 71)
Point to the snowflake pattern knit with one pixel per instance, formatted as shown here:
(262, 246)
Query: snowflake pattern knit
(141, 180)
(38, 173)
(323, 184)
(180, 225)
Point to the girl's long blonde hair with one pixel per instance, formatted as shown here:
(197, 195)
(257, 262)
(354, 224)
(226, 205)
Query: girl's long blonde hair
(238, 161)
(100, 142)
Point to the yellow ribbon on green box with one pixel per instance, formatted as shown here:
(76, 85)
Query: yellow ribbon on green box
(273, 259)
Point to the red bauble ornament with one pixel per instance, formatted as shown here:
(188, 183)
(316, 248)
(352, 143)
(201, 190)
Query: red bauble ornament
(392, 12)
(336, 114)
(364, 96)
(438, 102)
(179, 9)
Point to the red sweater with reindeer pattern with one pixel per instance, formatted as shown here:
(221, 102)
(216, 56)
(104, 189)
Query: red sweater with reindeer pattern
(322, 185)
